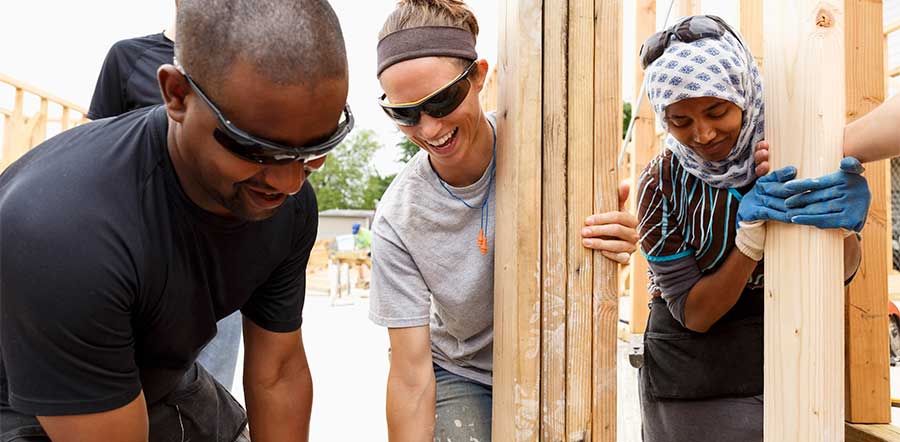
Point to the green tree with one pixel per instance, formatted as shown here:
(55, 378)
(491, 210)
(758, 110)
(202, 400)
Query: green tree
(626, 117)
(408, 149)
(348, 180)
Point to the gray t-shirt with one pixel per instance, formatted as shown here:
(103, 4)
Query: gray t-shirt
(427, 267)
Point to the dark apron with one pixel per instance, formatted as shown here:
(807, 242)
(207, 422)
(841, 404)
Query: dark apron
(198, 410)
(726, 361)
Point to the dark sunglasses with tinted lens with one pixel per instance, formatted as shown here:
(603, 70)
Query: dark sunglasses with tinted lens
(688, 30)
(437, 104)
(262, 151)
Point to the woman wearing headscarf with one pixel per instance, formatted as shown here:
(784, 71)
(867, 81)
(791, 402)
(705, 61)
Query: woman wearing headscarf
(703, 217)
(433, 245)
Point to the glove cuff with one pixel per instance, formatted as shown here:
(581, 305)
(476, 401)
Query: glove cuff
(750, 239)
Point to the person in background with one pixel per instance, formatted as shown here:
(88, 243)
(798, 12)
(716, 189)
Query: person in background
(433, 233)
(362, 237)
(127, 81)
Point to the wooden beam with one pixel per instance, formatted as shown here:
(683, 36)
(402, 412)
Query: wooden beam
(517, 260)
(805, 115)
(867, 368)
(580, 175)
(871, 433)
(645, 149)
(607, 111)
(688, 7)
(555, 240)
(751, 28)
(21, 85)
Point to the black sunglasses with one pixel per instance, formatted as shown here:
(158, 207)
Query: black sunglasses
(688, 30)
(262, 151)
(437, 104)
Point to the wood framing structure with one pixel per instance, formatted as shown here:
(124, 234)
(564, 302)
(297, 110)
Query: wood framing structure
(751, 28)
(805, 109)
(556, 305)
(867, 369)
(21, 132)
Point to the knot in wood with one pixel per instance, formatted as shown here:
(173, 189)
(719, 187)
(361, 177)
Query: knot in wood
(824, 19)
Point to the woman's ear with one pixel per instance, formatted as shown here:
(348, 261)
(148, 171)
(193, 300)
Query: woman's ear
(482, 69)
(174, 88)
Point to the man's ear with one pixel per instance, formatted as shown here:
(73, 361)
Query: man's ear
(174, 88)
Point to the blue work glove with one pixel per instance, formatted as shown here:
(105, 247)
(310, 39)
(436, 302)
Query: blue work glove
(838, 200)
(766, 200)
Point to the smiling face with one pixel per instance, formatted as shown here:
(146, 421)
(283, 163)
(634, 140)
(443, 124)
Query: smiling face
(709, 126)
(220, 181)
(450, 141)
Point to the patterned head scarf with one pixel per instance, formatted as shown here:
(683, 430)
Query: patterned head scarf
(711, 67)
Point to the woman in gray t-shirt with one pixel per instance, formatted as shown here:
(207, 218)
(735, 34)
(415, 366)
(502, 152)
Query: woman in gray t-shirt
(433, 234)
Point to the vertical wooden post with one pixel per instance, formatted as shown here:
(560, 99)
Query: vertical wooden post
(687, 7)
(555, 239)
(13, 132)
(868, 372)
(64, 120)
(580, 205)
(555, 315)
(804, 337)
(39, 133)
(607, 133)
(751, 28)
(645, 148)
(517, 261)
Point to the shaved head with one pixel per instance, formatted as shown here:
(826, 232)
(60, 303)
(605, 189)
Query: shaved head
(290, 42)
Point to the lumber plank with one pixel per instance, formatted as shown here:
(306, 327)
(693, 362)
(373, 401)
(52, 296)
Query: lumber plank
(517, 268)
(645, 148)
(687, 7)
(867, 368)
(555, 221)
(607, 133)
(751, 28)
(804, 338)
(580, 177)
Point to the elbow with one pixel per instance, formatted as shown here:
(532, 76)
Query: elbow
(697, 326)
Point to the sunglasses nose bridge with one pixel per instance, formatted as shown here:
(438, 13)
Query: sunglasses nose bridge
(285, 178)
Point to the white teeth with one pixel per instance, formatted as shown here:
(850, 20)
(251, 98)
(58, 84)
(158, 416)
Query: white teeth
(442, 140)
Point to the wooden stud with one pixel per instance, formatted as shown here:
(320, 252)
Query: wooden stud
(607, 109)
(65, 119)
(804, 337)
(868, 371)
(751, 28)
(645, 149)
(39, 133)
(580, 205)
(517, 268)
(554, 249)
(688, 7)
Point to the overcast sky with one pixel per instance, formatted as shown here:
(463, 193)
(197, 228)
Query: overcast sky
(59, 46)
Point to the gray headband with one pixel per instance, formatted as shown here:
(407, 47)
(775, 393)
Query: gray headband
(425, 41)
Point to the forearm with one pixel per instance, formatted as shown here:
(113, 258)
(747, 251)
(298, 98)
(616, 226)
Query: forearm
(876, 135)
(714, 294)
(852, 256)
(279, 411)
(410, 406)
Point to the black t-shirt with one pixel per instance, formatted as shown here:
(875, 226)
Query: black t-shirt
(112, 280)
(127, 80)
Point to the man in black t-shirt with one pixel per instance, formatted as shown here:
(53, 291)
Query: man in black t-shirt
(125, 240)
(127, 81)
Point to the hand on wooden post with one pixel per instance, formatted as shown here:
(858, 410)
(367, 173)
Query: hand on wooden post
(837, 200)
(613, 234)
